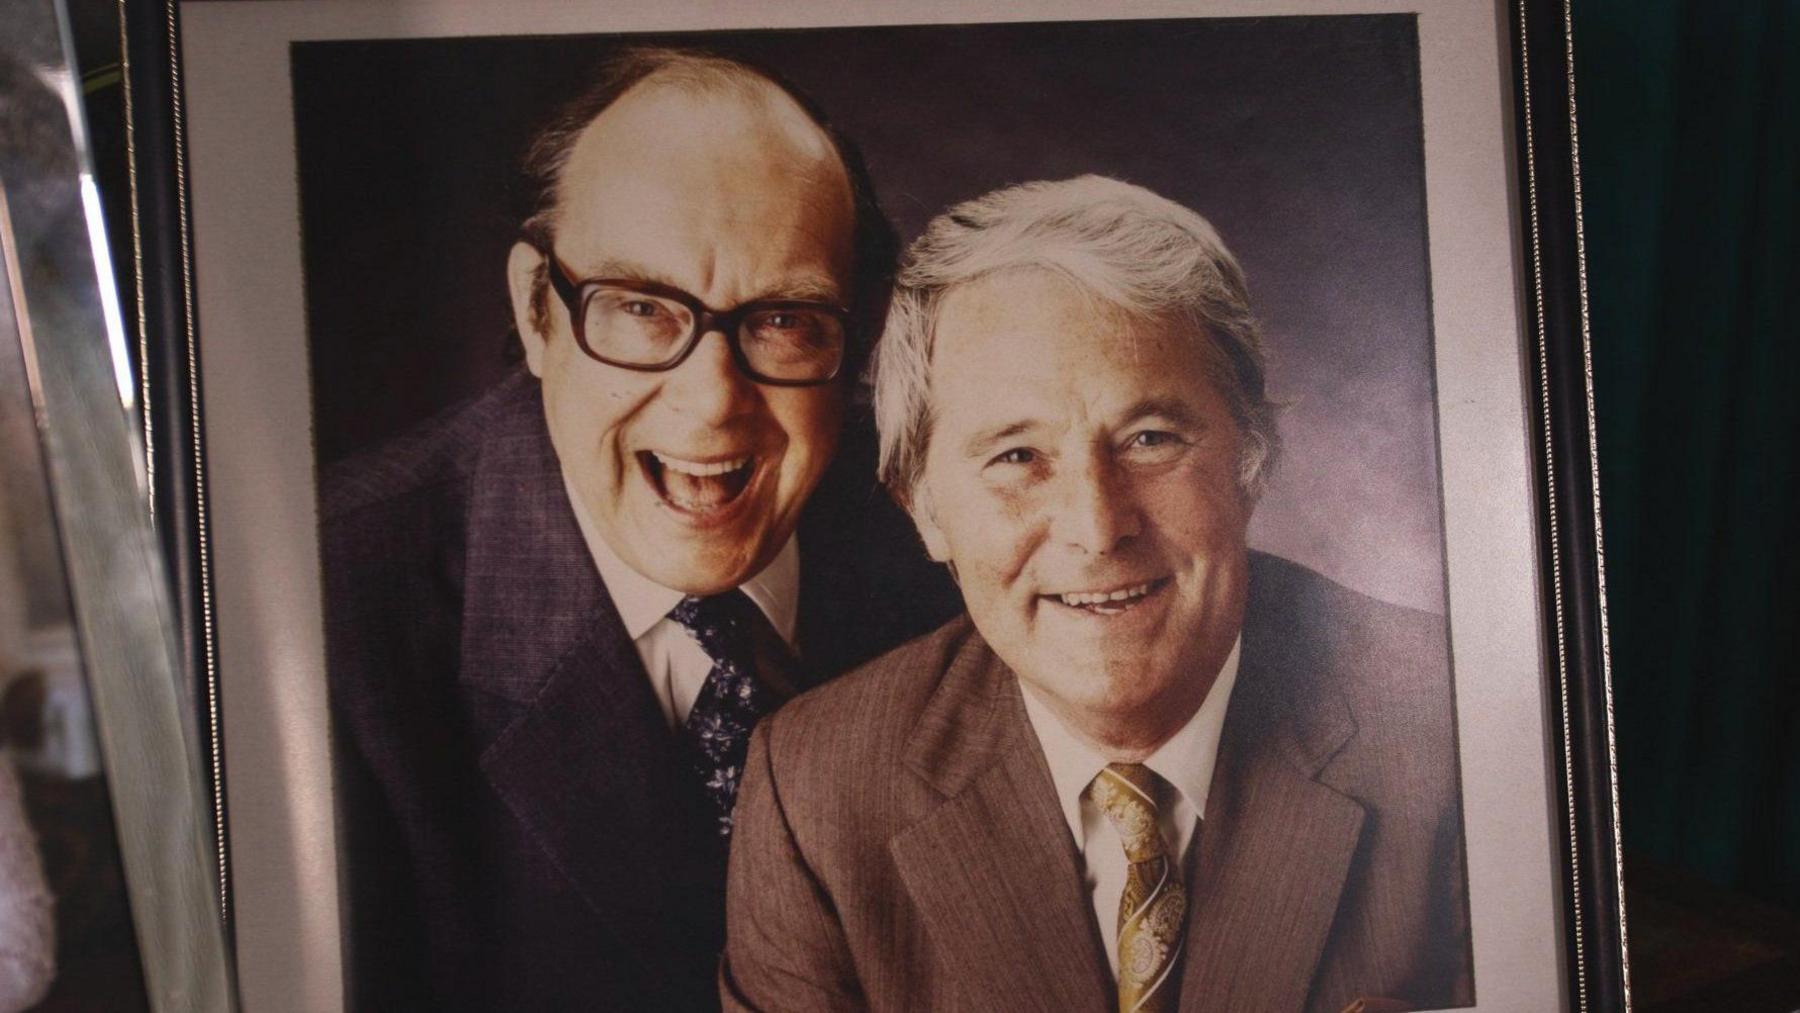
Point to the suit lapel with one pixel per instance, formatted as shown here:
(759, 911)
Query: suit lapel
(1275, 843)
(992, 869)
(587, 763)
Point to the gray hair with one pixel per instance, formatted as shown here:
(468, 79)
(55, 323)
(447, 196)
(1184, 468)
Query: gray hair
(1143, 254)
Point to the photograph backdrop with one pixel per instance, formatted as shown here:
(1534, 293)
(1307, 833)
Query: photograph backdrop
(1299, 138)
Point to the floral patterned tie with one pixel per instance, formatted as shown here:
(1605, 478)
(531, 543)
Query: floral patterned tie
(1153, 907)
(732, 700)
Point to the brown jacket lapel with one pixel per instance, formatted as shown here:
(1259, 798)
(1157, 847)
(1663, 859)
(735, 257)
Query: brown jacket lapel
(1275, 848)
(992, 869)
(995, 874)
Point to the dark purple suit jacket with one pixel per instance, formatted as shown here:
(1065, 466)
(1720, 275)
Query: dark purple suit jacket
(517, 828)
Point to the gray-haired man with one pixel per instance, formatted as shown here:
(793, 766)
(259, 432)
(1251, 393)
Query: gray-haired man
(1150, 769)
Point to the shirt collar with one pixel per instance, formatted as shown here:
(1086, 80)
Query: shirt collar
(642, 602)
(1186, 760)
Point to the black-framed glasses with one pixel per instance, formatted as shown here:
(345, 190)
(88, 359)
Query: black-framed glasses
(651, 327)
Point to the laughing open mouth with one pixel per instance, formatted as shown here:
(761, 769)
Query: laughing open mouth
(698, 487)
(1110, 602)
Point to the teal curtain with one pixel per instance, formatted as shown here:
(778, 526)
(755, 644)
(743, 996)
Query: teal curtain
(1690, 125)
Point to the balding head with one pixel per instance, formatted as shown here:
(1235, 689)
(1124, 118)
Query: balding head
(719, 93)
(740, 173)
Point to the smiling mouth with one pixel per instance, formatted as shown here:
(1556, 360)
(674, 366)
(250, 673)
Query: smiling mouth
(1110, 602)
(697, 487)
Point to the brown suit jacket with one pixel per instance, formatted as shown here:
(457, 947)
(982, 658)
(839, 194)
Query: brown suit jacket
(899, 845)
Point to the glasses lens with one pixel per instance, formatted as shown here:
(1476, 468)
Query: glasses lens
(634, 327)
(793, 342)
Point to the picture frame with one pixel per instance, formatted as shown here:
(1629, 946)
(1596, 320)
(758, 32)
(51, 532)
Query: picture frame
(109, 892)
(256, 652)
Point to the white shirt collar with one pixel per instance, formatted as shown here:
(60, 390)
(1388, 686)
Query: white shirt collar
(642, 602)
(1185, 761)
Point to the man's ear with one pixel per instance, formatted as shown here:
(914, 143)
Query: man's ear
(924, 517)
(524, 266)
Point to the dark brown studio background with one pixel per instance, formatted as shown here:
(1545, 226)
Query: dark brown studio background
(1299, 138)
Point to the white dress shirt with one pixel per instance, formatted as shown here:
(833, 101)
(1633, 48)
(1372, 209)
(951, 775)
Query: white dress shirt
(677, 666)
(1185, 761)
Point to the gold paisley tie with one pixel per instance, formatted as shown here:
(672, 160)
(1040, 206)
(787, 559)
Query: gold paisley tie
(1153, 908)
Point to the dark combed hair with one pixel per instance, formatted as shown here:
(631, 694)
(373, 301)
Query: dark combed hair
(875, 244)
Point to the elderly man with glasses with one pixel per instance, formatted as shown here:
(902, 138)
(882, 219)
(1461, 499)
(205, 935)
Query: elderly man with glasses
(555, 613)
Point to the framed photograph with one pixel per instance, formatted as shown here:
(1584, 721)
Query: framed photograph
(1176, 420)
